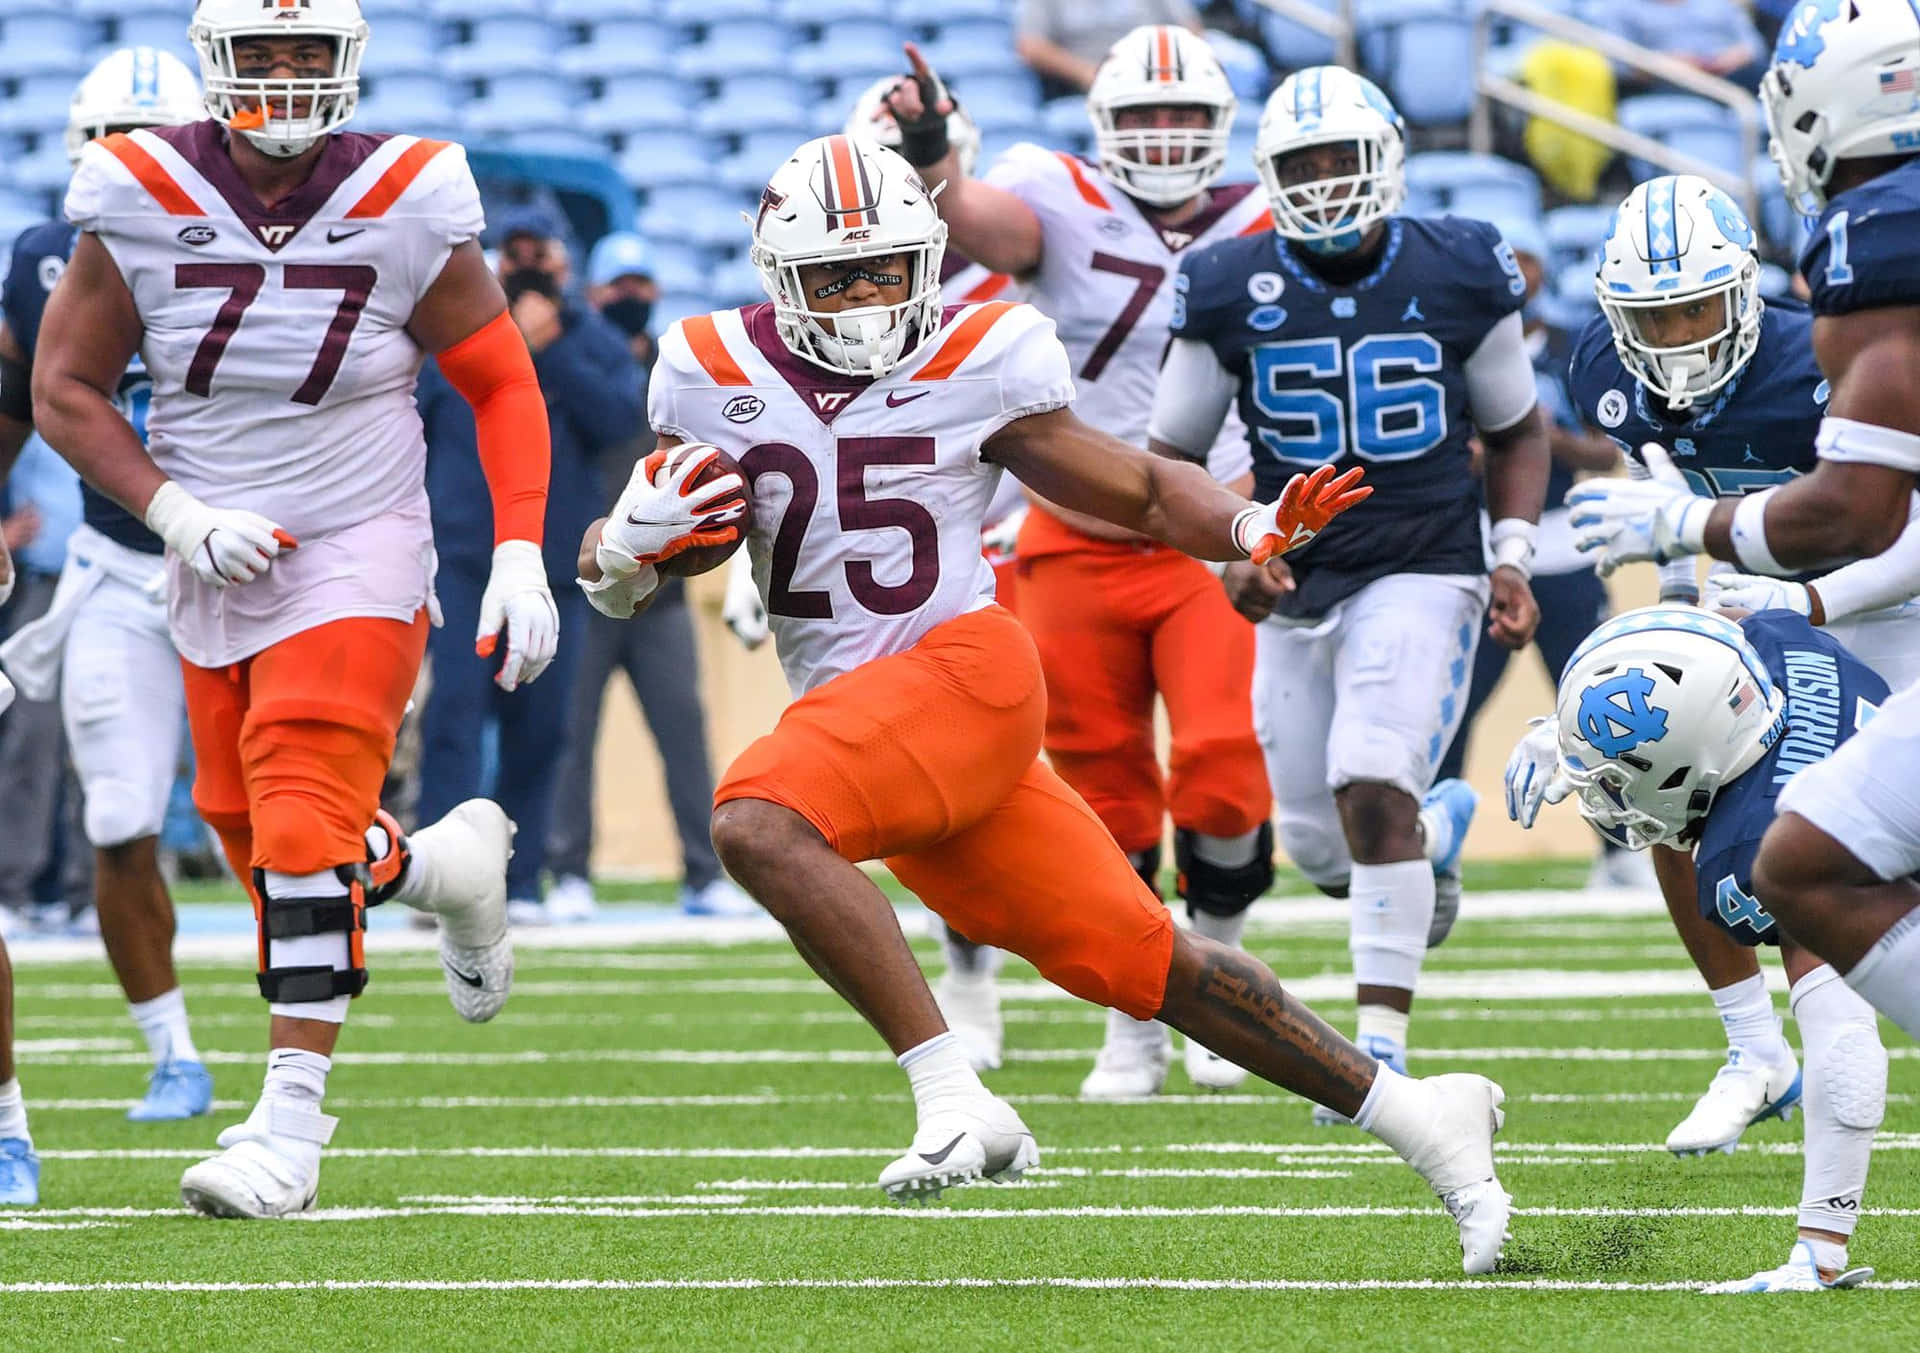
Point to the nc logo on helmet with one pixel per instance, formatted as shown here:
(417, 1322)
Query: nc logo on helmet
(1614, 714)
(1800, 41)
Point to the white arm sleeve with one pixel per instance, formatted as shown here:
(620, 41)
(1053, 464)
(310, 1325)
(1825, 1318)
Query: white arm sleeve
(1845, 439)
(1193, 398)
(1500, 386)
(1884, 580)
(1679, 578)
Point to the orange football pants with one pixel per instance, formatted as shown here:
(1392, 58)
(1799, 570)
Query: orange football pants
(929, 760)
(1115, 622)
(292, 745)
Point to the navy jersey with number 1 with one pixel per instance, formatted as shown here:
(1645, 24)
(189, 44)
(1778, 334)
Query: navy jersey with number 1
(40, 255)
(1368, 373)
(1830, 694)
(1865, 252)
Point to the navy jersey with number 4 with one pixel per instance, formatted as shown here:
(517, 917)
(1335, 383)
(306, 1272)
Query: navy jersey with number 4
(1756, 432)
(1370, 373)
(1863, 253)
(1830, 694)
(40, 255)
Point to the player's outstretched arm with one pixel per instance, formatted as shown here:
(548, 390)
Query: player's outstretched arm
(88, 335)
(1085, 470)
(989, 225)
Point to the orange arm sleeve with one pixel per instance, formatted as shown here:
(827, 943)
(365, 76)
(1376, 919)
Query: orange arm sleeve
(494, 373)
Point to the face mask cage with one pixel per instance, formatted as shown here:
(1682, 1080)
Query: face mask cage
(1332, 215)
(1162, 166)
(281, 117)
(1602, 795)
(1685, 373)
(868, 340)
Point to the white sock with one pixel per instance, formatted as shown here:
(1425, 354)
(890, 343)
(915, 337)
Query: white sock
(308, 951)
(1889, 975)
(1224, 929)
(1392, 911)
(938, 1069)
(1747, 1012)
(164, 1022)
(297, 1075)
(1828, 1256)
(1381, 1032)
(13, 1112)
(1843, 1099)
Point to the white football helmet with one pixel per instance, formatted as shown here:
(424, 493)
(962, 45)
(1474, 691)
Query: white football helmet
(1678, 239)
(133, 87)
(842, 198)
(281, 118)
(1845, 81)
(872, 120)
(1159, 66)
(1659, 709)
(1330, 105)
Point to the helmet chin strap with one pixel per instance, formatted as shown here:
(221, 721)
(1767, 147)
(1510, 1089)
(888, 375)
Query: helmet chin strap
(1680, 371)
(1344, 243)
(872, 329)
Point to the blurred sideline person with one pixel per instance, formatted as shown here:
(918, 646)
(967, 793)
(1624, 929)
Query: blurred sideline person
(591, 389)
(656, 652)
(1676, 729)
(1356, 335)
(286, 474)
(104, 647)
(1064, 41)
(914, 734)
(1120, 619)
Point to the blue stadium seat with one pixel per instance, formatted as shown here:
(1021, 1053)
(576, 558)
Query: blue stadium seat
(1574, 233)
(735, 282)
(678, 305)
(623, 47)
(542, 86)
(1686, 123)
(46, 169)
(1422, 52)
(748, 169)
(1066, 118)
(556, 141)
(1240, 167)
(744, 110)
(1245, 64)
(599, 11)
(497, 117)
(1567, 302)
(832, 11)
(1776, 283)
(1782, 226)
(967, 55)
(714, 11)
(500, 46)
(698, 215)
(54, 31)
(412, 39)
(987, 34)
(768, 91)
(678, 266)
(40, 97)
(1013, 90)
(1292, 45)
(1493, 183)
(835, 57)
(661, 160)
(481, 11)
(936, 12)
(422, 88)
(738, 48)
(437, 120)
(636, 106)
(164, 30)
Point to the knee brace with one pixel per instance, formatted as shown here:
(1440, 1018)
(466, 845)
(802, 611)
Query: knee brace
(1146, 863)
(1845, 1097)
(1221, 890)
(294, 931)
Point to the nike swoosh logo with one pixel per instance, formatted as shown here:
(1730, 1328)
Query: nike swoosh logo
(474, 980)
(895, 399)
(335, 236)
(940, 1157)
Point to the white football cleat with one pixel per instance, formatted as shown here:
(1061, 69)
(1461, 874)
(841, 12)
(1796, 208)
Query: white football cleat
(270, 1166)
(971, 1004)
(463, 862)
(1208, 1070)
(1798, 1274)
(1133, 1061)
(1455, 1157)
(1743, 1092)
(570, 901)
(960, 1142)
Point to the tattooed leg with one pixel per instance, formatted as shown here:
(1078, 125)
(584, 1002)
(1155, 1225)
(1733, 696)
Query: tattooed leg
(1230, 1002)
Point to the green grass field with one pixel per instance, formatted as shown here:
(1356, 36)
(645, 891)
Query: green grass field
(674, 1147)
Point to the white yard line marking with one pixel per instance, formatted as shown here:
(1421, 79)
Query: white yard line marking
(885, 1284)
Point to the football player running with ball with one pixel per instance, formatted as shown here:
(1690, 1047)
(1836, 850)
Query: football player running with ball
(1837, 867)
(1119, 618)
(1356, 336)
(1686, 355)
(282, 281)
(1676, 728)
(872, 428)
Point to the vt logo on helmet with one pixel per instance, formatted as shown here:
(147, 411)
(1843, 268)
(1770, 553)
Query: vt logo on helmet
(848, 246)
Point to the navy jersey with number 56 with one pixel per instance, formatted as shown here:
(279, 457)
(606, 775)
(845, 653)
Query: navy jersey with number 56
(1757, 431)
(1370, 373)
(1863, 254)
(1830, 694)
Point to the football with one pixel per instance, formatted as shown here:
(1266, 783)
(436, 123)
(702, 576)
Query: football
(706, 558)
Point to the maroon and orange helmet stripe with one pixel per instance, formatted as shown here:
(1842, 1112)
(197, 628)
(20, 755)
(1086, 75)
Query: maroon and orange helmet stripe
(1168, 65)
(850, 194)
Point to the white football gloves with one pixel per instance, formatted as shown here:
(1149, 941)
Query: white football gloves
(662, 511)
(1746, 592)
(517, 601)
(1533, 771)
(6, 692)
(224, 546)
(1658, 518)
(742, 610)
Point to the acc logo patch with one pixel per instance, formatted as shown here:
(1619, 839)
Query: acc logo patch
(743, 408)
(1266, 318)
(1114, 226)
(49, 271)
(1266, 287)
(1612, 411)
(197, 235)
